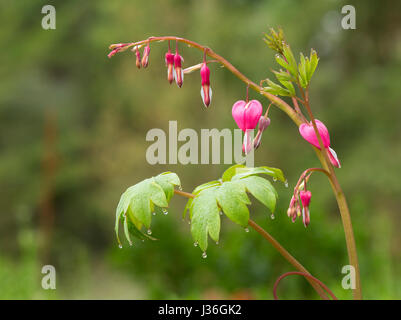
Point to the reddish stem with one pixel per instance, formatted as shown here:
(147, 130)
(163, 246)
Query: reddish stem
(306, 275)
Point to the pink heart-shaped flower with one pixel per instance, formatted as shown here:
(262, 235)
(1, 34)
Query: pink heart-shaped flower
(247, 115)
(308, 133)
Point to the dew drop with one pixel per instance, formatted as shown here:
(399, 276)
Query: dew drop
(165, 212)
(180, 188)
(286, 183)
(217, 243)
(149, 232)
(154, 213)
(130, 244)
(204, 255)
(274, 179)
(120, 246)
(246, 230)
(272, 216)
(221, 213)
(195, 244)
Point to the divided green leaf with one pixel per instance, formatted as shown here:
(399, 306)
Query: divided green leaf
(138, 202)
(229, 195)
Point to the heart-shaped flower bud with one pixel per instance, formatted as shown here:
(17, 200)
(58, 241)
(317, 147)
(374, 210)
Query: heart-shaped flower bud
(169, 58)
(264, 122)
(308, 133)
(247, 115)
(145, 58)
(305, 197)
(178, 72)
(206, 91)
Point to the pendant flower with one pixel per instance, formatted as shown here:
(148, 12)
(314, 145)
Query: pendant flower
(178, 72)
(247, 116)
(264, 122)
(305, 199)
(308, 133)
(138, 59)
(145, 58)
(206, 90)
(169, 58)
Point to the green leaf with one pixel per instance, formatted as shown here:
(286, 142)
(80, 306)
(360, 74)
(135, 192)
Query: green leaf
(313, 62)
(283, 76)
(207, 185)
(302, 67)
(262, 190)
(230, 172)
(205, 218)
(280, 60)
(276, 173)
(233, 200)
(276, 89)
(292, 63)
(138, 202)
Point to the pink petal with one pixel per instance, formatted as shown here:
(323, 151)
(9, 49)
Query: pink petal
(308, 133)
(247, 115)
(238, 114)
(333, 158)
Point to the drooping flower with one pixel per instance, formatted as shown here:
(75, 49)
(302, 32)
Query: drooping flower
(308, 133)
(305, 199)
(264, 122)
(247, 116)
(178, 72)
(206, 90)
(145, 58)
(169, 58)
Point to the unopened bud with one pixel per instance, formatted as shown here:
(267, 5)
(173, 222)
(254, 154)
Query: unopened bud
(138, 59)
(263, 123)
(145, 58)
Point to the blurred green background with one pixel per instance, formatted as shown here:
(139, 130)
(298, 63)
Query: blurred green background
(72, 139)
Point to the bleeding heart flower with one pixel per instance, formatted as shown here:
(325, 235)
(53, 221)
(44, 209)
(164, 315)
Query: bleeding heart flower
(206, 91)
(169, 58)
(308, 133)
(178, 72)
(305, 199)
(263, 123)
(145, 58)
(247, 114)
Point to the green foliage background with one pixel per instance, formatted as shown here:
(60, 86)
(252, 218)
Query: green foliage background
(99, 110)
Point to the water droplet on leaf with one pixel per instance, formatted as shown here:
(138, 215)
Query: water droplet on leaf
(195, 244)
(246, 230)
(120, 246)
(286, 183)
(149, 232)
(272, 216)
(204, 255)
